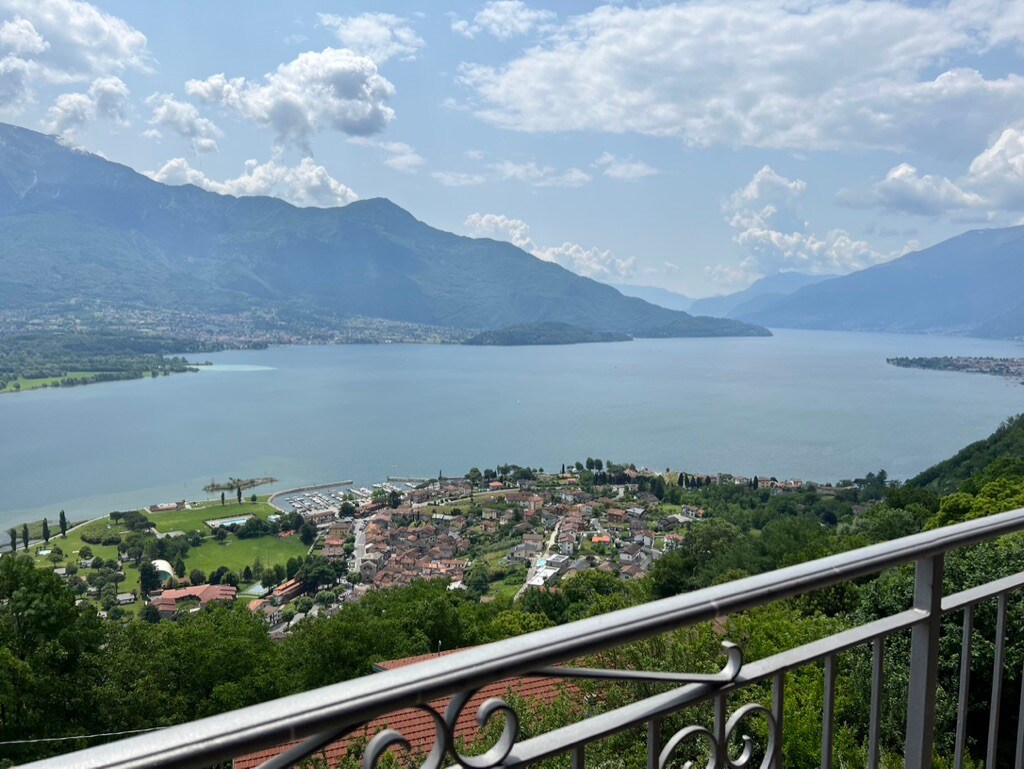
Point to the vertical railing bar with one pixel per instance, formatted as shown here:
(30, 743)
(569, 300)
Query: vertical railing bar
(965, 685)
(828, 714)
(997, 684)
(578, 754)
(721, 712)
(1018, 759)
(778, 707)
(653, 742)
(875, 719)
(924, 663)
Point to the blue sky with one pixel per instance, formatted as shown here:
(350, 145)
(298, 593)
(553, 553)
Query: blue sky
(693, 146)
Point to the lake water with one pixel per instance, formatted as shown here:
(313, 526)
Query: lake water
(809, 404)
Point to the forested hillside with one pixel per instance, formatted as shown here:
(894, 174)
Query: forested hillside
(136, 675)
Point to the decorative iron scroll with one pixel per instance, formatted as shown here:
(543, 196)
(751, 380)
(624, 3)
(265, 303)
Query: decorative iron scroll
(444, 735)
(720, 758)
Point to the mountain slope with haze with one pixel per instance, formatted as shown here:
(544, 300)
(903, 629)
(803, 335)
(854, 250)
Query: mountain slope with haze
(76, 226)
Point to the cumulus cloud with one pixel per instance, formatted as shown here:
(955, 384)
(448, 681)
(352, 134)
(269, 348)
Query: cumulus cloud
(992, 184)
(400, 156)
(73, 39)
(47, 42)
(763, 214)
(504, 19)
(540, 176)
(306, 184)
(334, 89)
(107, 98)
(905, 190)
(183, 119)
(19, 36)
(806, 76)
(589, 262)
(626, 170)
(381, 36)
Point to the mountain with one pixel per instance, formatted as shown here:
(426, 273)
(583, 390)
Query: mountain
(76, 226)
(759, 294)
(544, 333)
(659, 296)
(970, 284)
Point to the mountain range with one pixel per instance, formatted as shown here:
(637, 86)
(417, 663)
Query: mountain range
(662, 297)
(76, 226)
(969, 284)
(761, 293)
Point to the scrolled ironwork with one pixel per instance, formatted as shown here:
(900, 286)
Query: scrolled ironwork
(444, 735)
(720, 749)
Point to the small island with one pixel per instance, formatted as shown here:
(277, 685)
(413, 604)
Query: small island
(1012, 368)
(545, 333)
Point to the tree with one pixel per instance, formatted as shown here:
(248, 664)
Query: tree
(307, 534)
(221, 534)
(197, 576)
(149, 580)
(14, 539)
(85, 553)
(24, 536)
(239, 490)
(179, 568)
(394, 499)
(222, 498)
(247, 574)
(46, 532)
(253, 497)
(63, 525)
(150, 614)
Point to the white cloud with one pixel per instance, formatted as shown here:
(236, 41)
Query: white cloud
(589, 262)
(474, 154)
(999, 171)
(46, 42)
(768, 228)
(80, 39)
(333, 89)
(381, 36)
(904, 190)
(540, 176)
(19, 36)
(107, 98)
(400, 156)
(504, 19)
(821, 75)
(183, 119)
(16, 76)
(627, 170)
(306, 184)
(458, 179)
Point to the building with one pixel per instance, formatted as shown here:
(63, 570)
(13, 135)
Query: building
(270, 612)
(286, 591)
(164, 570)
(166, 601)
(123, 599)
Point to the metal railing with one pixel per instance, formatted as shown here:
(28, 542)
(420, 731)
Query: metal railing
(322, 716)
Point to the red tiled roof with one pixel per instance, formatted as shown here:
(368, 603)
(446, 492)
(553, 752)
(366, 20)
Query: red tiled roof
(416, 725)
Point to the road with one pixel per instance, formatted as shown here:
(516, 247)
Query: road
(535, 565)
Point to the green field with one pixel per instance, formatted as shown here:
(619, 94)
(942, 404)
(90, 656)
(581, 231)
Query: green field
(192, 520)
(237, 553)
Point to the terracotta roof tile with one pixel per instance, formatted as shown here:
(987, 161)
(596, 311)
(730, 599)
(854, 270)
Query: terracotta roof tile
(416, 725)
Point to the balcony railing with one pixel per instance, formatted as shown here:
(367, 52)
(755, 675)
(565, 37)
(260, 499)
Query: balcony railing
(320, 717)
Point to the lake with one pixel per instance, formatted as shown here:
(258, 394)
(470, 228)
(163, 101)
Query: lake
(809, 404)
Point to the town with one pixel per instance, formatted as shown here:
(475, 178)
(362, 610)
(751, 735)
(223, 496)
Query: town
(303, 553)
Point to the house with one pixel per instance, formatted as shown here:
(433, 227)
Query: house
(630, 553)
(61, 572)
(270, 612)
(123, 599)
(615, 516)
(286, 591)
(166, 601)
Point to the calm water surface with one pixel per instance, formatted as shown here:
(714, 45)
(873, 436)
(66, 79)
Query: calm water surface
(810, 404)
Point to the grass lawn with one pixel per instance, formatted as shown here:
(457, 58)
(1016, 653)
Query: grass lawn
(192, 520)
(508, 587)
(237, 553)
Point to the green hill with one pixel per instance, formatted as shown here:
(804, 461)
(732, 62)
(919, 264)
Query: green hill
(544, 333)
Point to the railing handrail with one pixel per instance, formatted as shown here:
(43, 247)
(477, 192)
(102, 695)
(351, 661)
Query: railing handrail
(331, 708)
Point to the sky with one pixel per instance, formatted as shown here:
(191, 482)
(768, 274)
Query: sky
(693, 146)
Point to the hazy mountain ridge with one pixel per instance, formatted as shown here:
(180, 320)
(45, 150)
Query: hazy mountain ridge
(969, 284)
(759, 293)
(74, 225)
(662, 297)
